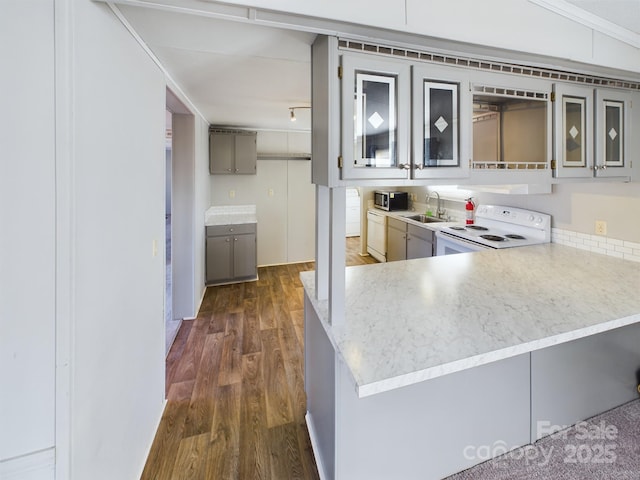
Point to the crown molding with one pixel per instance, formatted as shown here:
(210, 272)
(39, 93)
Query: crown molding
(599, 24)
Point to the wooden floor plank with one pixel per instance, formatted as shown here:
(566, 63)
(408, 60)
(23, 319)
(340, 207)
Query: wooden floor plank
(188, 363)
(235, 385)
(265, 307)
(236, 297)
(254, 458)
(251, 341)
(217, 322)
(224, 450)
(250, 290)
(175, 353)
(162, 456)
(279, 411)
(191, 458)
(231, 362)
(202, 402)
(284, 449)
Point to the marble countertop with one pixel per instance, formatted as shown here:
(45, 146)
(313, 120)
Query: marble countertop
(230, 215)
(406, 322)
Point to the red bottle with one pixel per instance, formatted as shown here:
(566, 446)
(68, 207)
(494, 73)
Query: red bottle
(470, 208)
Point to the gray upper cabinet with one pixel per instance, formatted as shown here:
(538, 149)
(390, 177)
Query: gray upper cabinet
(441, 122)
(399, 115)
(612, 127)
(232, 152)
(375, 117)
(591, 130)
(573, 131)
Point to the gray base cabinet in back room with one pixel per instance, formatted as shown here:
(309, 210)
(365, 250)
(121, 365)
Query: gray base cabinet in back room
(231, 253)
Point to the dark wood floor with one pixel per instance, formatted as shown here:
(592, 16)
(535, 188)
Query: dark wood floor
(235, 384)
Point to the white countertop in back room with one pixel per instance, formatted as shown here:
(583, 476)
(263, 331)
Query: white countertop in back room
(230, 215)
(410, 321)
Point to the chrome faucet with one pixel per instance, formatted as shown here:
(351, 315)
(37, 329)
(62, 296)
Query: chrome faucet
(439, 209)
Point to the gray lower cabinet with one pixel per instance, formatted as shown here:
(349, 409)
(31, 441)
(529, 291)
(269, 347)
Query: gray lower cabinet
(420, 242)
(231, 253)
(396, 240)
(406, 241)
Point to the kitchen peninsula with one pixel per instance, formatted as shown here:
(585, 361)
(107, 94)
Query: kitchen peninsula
(438, 354)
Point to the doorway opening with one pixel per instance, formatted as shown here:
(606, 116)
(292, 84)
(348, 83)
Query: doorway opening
(171, 325)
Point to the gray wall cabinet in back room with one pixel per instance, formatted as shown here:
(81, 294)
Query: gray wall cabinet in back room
(232, 152)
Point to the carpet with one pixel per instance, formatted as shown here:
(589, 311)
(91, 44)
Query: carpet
(606, 446)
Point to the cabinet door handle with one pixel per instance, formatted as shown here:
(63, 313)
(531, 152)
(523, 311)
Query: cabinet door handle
(231, 229)
(226, 240)
(235, 239)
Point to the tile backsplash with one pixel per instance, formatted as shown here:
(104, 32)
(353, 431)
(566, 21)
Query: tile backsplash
(597, 244)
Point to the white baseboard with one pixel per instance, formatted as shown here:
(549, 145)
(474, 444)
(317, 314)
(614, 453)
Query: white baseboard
(314, 447)
(39, 465)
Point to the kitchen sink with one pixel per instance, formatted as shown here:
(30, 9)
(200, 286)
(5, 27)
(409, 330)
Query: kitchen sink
(425, 219)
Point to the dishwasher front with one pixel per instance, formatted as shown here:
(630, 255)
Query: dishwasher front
(377, 235)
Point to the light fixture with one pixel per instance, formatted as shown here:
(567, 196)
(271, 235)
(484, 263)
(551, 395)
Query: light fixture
(292, 113)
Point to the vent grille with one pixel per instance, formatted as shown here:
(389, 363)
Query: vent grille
(511, 92)
(213, 129)
(538, 72)
(492, 165)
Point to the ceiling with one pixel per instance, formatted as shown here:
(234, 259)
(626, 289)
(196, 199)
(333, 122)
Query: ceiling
(237, 74)
(248, 75)
(623, 13)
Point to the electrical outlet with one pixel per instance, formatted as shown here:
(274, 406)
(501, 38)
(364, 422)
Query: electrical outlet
(232, 194)
(154, 248)
(601, 227)
(270, 192)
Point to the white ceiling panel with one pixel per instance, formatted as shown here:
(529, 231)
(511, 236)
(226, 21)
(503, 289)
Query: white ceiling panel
(238, 74)
(625, 13)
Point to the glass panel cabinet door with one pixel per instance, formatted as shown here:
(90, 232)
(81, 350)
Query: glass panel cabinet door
(375, 118)
(440, 125)
(437, 127)
(612, 127)
(573, 135)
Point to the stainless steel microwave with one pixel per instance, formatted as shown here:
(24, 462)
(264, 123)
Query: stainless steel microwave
(391, 200)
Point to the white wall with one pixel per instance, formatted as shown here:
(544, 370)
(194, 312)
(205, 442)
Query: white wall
(516, 25)
(202, 202)
(573, 206)
(27, 236)
(576, 207)
(182, 217)
(117, 384)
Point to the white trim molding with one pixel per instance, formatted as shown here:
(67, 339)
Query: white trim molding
(588, 19)
(38, 465)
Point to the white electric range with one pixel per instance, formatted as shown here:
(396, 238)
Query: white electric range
(495, 227)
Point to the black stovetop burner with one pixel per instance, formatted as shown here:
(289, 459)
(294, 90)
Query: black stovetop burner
(493, 238)
(477, 227)
(515, 237)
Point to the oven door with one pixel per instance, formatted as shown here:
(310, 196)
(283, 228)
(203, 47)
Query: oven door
(447, 244)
